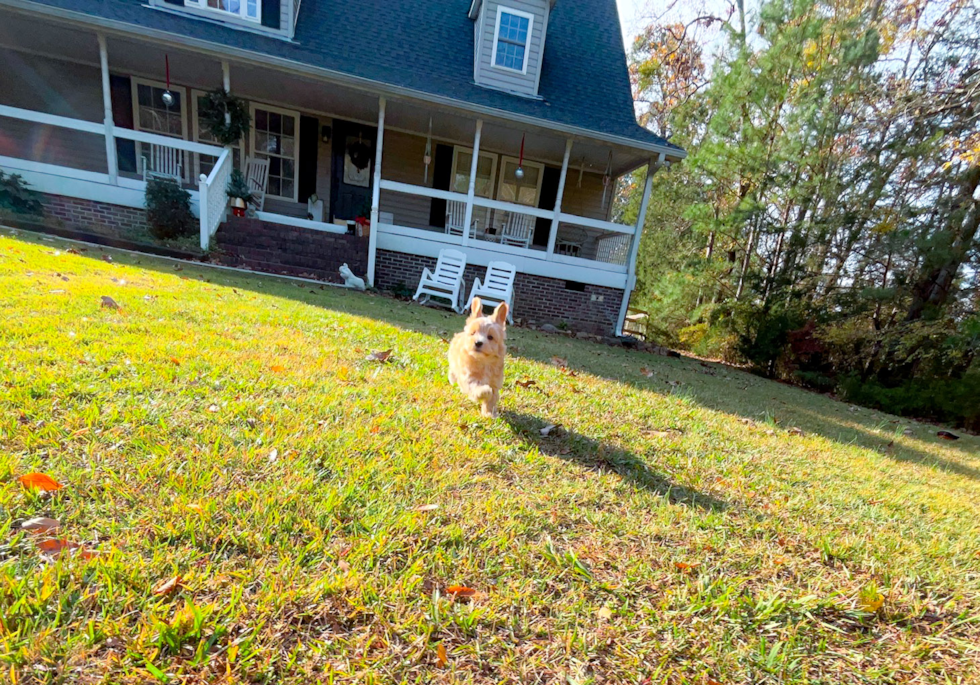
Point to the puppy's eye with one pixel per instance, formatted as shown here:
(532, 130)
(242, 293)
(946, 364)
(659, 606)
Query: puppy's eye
(489, 337)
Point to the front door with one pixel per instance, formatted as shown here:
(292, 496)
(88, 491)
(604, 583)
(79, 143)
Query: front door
(351, 171)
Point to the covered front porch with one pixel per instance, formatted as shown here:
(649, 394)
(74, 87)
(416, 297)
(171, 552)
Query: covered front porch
(83, 107)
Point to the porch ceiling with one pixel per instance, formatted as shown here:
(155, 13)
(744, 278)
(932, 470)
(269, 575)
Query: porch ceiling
(187, 68)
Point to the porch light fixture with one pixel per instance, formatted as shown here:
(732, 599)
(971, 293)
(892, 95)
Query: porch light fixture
(519, 172)
(167, 97)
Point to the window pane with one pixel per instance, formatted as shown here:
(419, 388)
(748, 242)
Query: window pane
(287, 187)
(252, 9)
(287, 125)
(288, 145)
(275, 166)
(287, 168)
(261, 120)
(143, 95)
(274, 187)
(275, 122)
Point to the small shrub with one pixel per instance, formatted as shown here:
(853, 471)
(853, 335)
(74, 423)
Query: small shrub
(168, 209)
(238, 186)
(16, 197)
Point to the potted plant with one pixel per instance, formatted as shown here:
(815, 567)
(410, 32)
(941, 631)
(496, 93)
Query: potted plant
(238, 193)
(225, 116)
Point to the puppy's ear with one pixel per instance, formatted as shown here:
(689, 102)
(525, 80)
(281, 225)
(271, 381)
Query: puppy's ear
(500, 314)
(476, 308)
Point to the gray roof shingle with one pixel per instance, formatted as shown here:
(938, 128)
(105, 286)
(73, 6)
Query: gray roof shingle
(427, 46)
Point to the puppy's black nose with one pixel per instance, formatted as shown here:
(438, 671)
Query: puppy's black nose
(479, 343)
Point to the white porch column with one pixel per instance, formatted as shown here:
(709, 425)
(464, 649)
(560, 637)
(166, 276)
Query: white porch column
(471, 190)
(376, 193)
(652, 167)
(110, 140)
(553, 233)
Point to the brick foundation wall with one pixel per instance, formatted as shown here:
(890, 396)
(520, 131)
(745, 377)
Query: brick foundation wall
(276, 248)
(102, 217)
(536, 298)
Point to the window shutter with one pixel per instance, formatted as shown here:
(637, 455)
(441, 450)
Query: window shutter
(442, 176)
(270, 13)
(121, 95)
(309, 146)
(549, 194)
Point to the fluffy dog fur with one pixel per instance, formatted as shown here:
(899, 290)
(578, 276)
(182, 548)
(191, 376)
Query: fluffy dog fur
(476, 356)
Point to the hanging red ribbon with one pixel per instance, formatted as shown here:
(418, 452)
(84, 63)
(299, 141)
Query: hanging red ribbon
(166, 59)
(520, 162)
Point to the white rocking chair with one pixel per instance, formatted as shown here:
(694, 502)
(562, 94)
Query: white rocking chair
(496, 287)
(518, 230)
(257, 178)
(447, 281)
(456, 217)
(162, 162)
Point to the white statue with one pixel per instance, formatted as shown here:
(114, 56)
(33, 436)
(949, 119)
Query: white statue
(350, 280)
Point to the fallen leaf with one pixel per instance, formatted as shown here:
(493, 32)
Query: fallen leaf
(273, 455)
(55, 546)
(39, 481)
(646, 372)
(441, 659)
(795, 431)
(673, 383)
(194, 506)
(605, 613)
(559, 362)
(526, 383)
(213, 408)
(549, 429)
(175, 361)
(168, 586)
(779, 560)
(567, 371)
(381, 357)
(461, 593)
(109, 303)
(946, 435)
(427, 507)
(107, 258)
(276, 368)
(687, 567)
(872, 604)
(40, 524)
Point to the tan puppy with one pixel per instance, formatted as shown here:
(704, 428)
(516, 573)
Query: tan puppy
(476, 356)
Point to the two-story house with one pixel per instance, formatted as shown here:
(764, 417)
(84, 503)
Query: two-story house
(512, 118)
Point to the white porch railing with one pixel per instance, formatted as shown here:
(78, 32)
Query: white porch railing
(214, 200)
(73, 174)
(585, 249)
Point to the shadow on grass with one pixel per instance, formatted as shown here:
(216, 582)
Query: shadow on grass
(712, 386)
(591, 454)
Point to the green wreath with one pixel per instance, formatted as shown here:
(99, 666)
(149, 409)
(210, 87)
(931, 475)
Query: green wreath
(228, 131)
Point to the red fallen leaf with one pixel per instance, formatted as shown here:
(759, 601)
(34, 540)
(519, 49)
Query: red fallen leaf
(526, 383)
(375, 429)
(381, 357)
(463, 593)
(567, 371)
(55, 546)
(40, 481)
(175, 361)
(39, 525)
(277, 368)
(687, 567)
(109, 303)
(168, 586)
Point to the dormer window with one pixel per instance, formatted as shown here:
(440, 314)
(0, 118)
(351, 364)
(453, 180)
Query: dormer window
(510, 41)
(246, 9)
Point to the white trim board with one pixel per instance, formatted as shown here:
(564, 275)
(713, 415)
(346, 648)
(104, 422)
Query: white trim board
(405, 241)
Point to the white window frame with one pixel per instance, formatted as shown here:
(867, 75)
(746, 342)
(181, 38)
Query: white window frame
(251, 144)
(241, 14)
(503, 168)
(196, 125)
(468, 150)
(496, 38)
(136, 82)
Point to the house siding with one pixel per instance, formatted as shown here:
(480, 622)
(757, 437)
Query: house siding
(587, 200)
(402, 161)
(537, 299)
(55, 87)
(506, 79)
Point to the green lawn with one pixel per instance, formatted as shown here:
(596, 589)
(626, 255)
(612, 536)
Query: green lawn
(689, 524)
